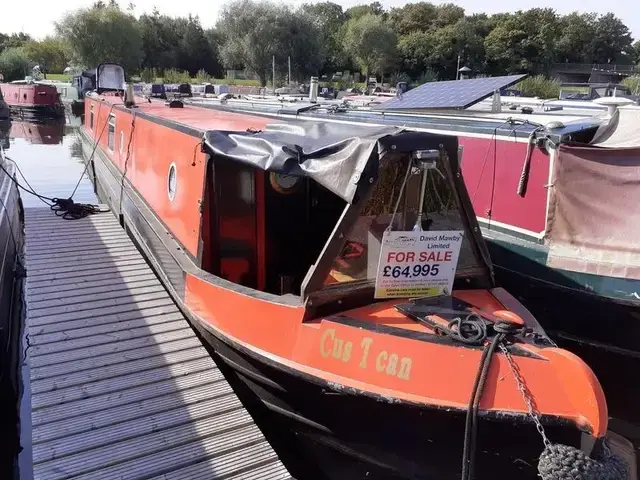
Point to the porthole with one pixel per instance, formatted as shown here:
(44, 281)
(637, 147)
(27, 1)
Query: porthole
(172, 182)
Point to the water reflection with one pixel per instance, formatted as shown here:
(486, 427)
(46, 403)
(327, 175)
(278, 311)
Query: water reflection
(50, 155)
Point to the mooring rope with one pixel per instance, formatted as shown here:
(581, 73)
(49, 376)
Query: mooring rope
(557, 461)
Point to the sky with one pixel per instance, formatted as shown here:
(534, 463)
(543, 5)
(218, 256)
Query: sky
(37, 17)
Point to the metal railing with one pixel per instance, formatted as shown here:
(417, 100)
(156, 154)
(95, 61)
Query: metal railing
(596, 67)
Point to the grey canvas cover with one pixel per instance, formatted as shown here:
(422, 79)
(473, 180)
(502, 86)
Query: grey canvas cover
(335, 155)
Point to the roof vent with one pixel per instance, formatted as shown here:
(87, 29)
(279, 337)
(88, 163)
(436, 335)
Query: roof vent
(613, 103)
(175, 104)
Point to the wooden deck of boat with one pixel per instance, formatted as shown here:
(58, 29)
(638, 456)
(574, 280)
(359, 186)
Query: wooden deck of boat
(121, 387)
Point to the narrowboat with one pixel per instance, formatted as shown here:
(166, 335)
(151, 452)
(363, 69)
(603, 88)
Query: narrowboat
(71, 98)
(5, 113)
(11, 278)
(27, 97)
(5, 128)
(270, 234)
(568, 253)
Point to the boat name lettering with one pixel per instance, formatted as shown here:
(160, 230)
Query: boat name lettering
(389, 363)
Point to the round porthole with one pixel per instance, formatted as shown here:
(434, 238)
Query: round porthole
(172, 182)
(121, 142)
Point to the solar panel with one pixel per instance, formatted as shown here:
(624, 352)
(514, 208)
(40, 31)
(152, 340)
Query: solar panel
(452, 94)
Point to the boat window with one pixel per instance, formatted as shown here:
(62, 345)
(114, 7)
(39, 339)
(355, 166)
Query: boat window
(358, 261)
(91, 117)
(111, 134)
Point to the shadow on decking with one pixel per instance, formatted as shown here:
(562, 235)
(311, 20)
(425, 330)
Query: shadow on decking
(120, 385)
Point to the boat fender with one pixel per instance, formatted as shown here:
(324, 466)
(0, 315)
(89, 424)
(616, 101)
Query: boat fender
(563, 462)
(557, 461)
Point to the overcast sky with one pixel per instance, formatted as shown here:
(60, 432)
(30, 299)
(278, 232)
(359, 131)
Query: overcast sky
(36, 17)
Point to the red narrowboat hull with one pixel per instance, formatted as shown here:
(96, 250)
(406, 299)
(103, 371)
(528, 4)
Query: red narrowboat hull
(377, 406)
(32, 98)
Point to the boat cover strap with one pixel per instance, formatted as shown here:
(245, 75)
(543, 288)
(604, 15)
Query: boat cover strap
(340, 157)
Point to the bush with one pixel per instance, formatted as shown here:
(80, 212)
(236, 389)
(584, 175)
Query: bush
(539, 86)
(429, 75)
(633, 83)
(148, 75)
(14, 64)
(172, 75)
(398, 77)
(202, 76)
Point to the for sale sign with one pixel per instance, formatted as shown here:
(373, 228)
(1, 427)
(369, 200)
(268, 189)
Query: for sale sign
(417, 264)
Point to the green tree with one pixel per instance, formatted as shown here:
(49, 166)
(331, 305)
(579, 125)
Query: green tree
(635, 51)
(13, 40)
(413, 17)
(103, 34)
(524, 41)
(255, 32)
(576, 38)
(374, 8)
(447, 14)
(51, 54)
(415, 50)
(373, 43)
(160, 40)
(612, 38)
(195, 50)
(328, 19)
(14, 64)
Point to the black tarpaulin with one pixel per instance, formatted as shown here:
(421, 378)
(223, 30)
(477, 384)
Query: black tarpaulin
(334, 155)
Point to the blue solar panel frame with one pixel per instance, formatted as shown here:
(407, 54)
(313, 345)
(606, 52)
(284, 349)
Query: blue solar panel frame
(452, 94)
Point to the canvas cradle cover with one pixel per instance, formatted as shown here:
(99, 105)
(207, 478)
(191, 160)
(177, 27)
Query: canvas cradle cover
(337, 156)
(594, 212)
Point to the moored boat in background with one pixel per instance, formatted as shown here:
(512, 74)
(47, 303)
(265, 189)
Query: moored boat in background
(5, 113)
(69, 95)
(29, 97)
(515, 169)
(268, 237)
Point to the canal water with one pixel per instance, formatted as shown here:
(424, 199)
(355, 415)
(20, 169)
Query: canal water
(50, 157)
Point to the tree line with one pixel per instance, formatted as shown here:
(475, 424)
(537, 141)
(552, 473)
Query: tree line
(419, 41)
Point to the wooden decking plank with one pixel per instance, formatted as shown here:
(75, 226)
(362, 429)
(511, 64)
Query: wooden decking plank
(105, 328)
(88, 421)
(142, 425)
(114, 319)
(111, 347)
(120, 385)
(82, 299)
(116, 284)
(119, 369)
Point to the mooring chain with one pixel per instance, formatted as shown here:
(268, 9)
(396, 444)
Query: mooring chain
(526, 395)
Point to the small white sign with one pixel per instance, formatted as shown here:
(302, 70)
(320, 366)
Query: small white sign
(417, 264)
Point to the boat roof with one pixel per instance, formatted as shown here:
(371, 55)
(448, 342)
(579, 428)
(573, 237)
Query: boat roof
(473, 121)
(341, 158)
(191, 119)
